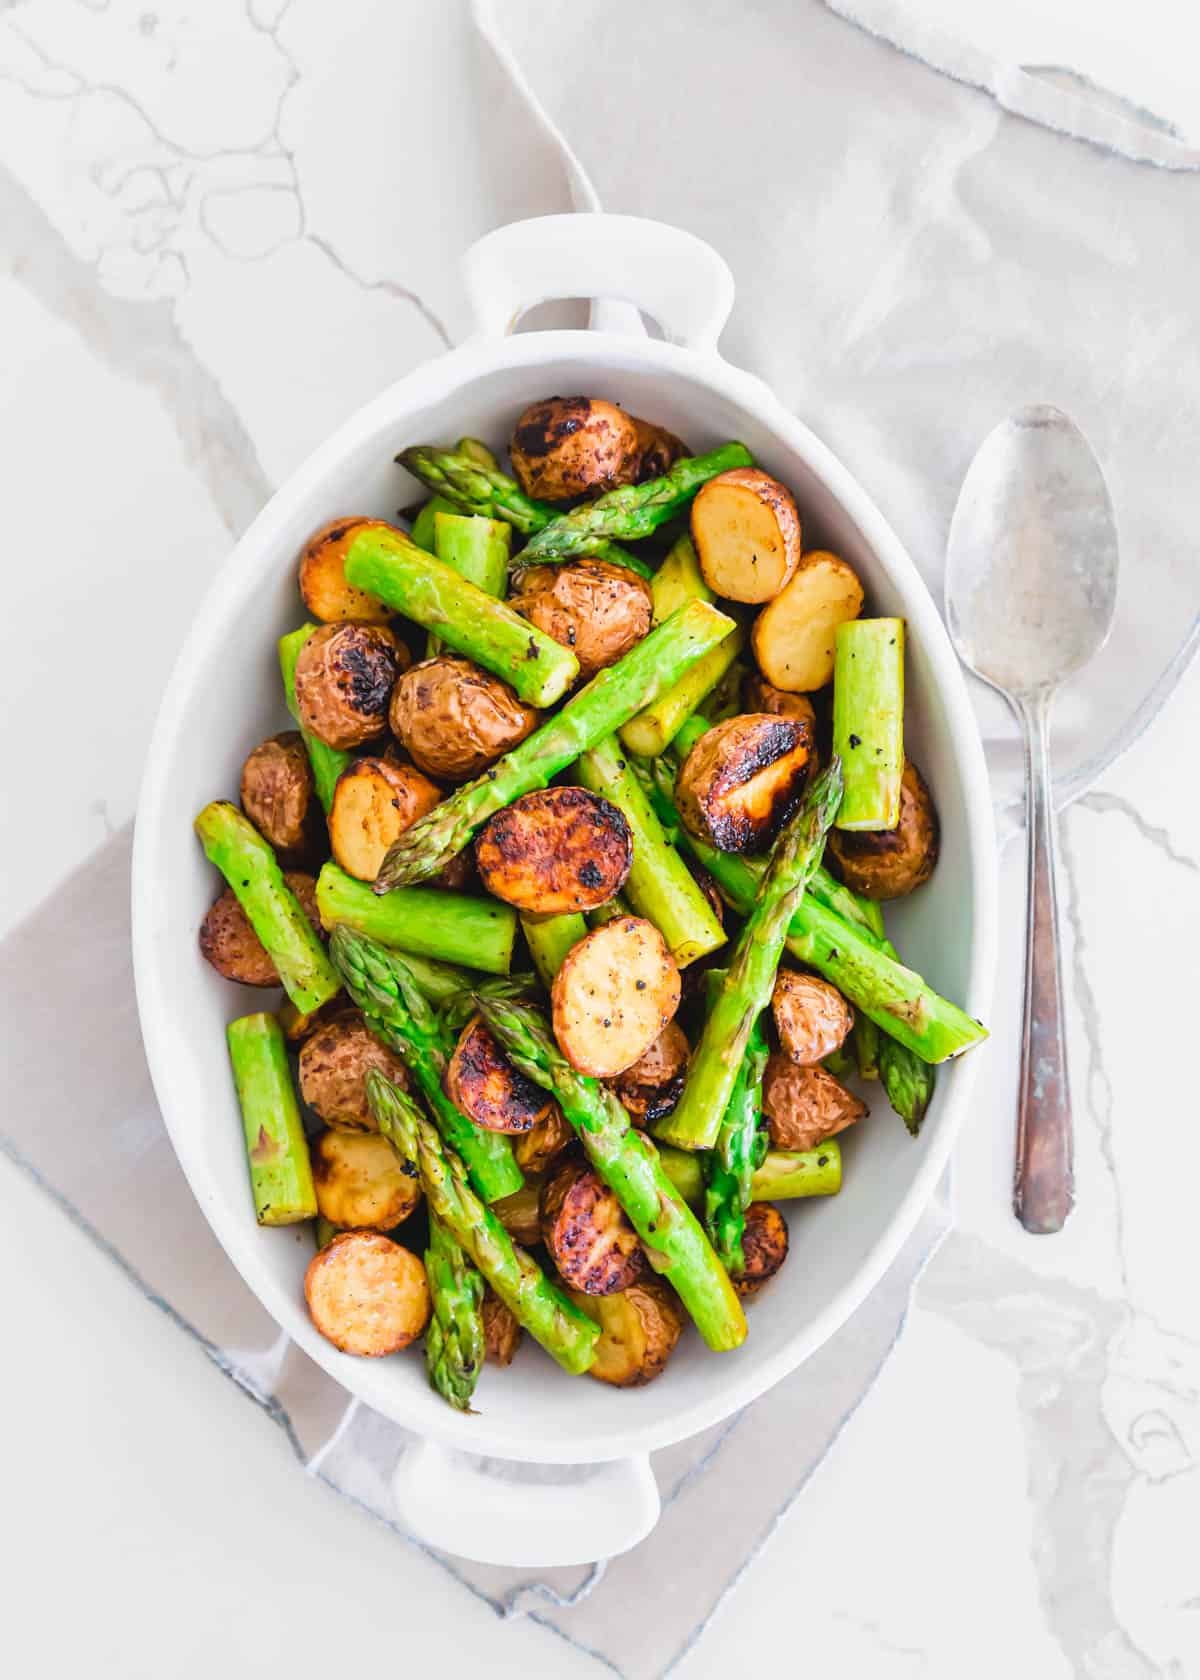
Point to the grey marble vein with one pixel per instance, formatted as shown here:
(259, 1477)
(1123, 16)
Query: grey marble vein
(1103, 801)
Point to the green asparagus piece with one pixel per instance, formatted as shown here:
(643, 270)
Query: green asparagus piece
(750, 980)
(827, 890)
(601, 706)
(783, 1176)
(567, 1334)
(454, 1339)
(840, 1063)
(730, 1167)
(252, 870)
(549, 938)
(281, 1178)
(907, 1080)
(616, 907)
(424, 589)
(422, 532)
(659, 886)
(477, 452)
(477, 549)
(628, 1163)
(632, 510)
(868, 720)
(865, 1039)
(327, 762)
(678, 579)
(382, 984)
(324, 1231)
(452, 927)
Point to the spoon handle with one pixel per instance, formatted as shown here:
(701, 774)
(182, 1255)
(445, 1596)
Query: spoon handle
(1044, 1187)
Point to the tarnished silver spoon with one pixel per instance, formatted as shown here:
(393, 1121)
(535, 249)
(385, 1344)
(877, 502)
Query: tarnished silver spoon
(1031, 585)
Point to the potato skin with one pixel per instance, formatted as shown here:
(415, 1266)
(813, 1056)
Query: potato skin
(323, 585)
(591, 1242)
(742, 778)
(747, 534)
(805, 1105)
(658, 449)
(344, 679)
(230, 944)
(596, 609)
(536, 1150)
(555, 850)
(564, 448)
(334, 1063)
(765, 1247)
(613, 995)
(654, 1084)
(758, 695)
(483, 1084)
(360, 1181)
(812, 1017)
(638, 1332)
(519, 1214)
(455, 719)
(374, 801)
(366, 1294)
(892, 862)
(501, 1331)
(277, 792)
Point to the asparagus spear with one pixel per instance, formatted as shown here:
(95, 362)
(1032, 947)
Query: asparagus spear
(424, 589)
(783, 1176)
(907, 1080)
(539, 1305)
(868, 720)
(324, 1231)
(828, 890)
(616, 907)
(281, 1178)
(632, 510)
(601, 706)
(454, 1339)
(840, 1063)
(549, 938)
(729, 1169)
(477, 549)
(628, 1163)
(453, 927)
(327, 762)
(660, 885)
(750, 979)
(397, 1012)
(252, 870)
(865, 1041)
(422, 532)
(477, 452)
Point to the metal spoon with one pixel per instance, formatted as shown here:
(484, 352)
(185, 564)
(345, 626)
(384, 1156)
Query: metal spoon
(1031, 585)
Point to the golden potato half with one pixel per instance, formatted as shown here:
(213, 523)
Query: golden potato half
(638, 1332)
(374, 801)
(794, 638)
(366, 1294)
(555, 850)
(323, 584)
(613, 995)
(747, 534)
(361, 1181)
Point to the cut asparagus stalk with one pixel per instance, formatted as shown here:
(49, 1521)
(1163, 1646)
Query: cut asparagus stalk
(422, 532)
(660, 886)
(567, 1334)
(327, 762)
(477, 549)
(783, 1176)
(477, 452)
(610, 912)
(729, 1168)
(421, 587)
(677, 580)
(454, 1339)
(252, 870)
(324, 1231)
(452, 927)
(281, 1178)
(865, 1039)
(907, 1080)
(628, 1163)
(868, 720)
(600, 707)
(827, 890)
(549, 938)
(654, 728)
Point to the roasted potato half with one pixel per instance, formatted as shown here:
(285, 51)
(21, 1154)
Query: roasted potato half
(653, 1085)
(657, 449)
(805, 1105)
(519, 1214)
(455, 719)
(323, 584)
(794, 637)
(596, 609)
(555, 850)
(613, 995)
(564, 448)
(592, 1243)
(231, 945)
(483, 1084)
(742, 778)
(638, 1332)
(812, 1017)
(374, 801)
(764, 1245)
(344, 679)
(334, 1063)
(361, 1182)
(747, 534)
(535, 1150)
(366, 1294)
(277, 793)
(501, 1331)
(758, 695)
(890, 862)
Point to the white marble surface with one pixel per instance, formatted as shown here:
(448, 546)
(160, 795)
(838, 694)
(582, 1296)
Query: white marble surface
(193, 293)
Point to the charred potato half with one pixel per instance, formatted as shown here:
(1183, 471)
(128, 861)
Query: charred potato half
(555, 850)
(653, 1085)
(374, 801)
(889, 862)
(794, 637)
(231, 945)
(455, 719)
(615, 992)
(658, 449)
(742, 778)
(596, 609)
(483, 1084)
(277, 792)
(366, 1294)
(323, 584)
(805, 1105)
(344, 679)
(520, 1216)
(638, 1332)
(812, 1017)
(564, 448)
(764, 1245)
(334, 1063)
(361, 1182)
(501, 1331)
(591, 1241)
(535, 1150)
(747, 534)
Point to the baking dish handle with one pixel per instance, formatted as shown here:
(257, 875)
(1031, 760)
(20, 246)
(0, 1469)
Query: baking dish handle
(678, 280)
(535, 1516)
